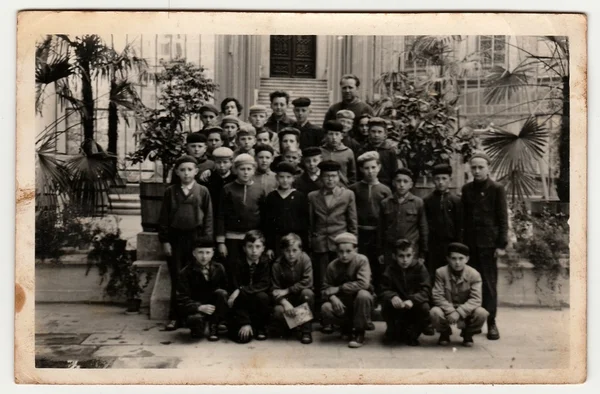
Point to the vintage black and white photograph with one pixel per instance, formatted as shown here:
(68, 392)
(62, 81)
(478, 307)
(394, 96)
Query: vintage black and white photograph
(236, 202)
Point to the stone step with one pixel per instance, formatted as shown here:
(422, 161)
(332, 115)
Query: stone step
(123, 205)
(130, 188)
(124, 197)
(126, 212)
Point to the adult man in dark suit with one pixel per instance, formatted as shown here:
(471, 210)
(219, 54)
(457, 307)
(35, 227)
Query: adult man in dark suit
(349, 84)
(485, 231)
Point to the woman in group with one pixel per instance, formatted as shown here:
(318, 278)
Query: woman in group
(231, 106)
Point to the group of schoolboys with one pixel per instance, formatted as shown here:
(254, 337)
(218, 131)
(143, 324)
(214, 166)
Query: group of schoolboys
(302, 229)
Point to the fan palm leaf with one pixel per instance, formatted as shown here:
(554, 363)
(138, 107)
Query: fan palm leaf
(502, 83)
(52, 180)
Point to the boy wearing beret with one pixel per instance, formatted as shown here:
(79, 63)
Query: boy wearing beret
(346, 291)
(249, 301)
(292, 283)
(405, 289)
(220, 176)
(258, 118)
(310, 179)
(186, 215)
(369, 194)
(287, 209)
(195, 146)
(334, 149)
(332, 211)
(209, 114)
(485, 231)
(456, 297)
(264, 176)
(402, 215)
(239, 210)
(279, 119)
(310, 135)
(444, 217)
(377, 141)
(201, 294)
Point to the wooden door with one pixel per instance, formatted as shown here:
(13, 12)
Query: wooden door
(293, 56)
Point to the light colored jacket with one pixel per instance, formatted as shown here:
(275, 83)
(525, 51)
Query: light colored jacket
(326, 222)
(462, 293)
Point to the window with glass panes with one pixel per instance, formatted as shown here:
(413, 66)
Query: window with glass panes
(410, 61)
(493, 51)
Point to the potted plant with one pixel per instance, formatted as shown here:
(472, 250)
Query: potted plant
(183, 91)
(109, 254)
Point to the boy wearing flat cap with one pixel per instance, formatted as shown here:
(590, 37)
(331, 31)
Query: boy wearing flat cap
(444, 217)
(402, 215)
(258, 118)
(239, 210)
(334, 149)
(209, 114)
(369, 194)
(485, 231)
(201, 294)
(186, 215)
(346, 291)
(377, 141)
(287, 209)
(332, 211)
(405, 290)
(220, 176)
(456, 297)
(346, 118)
(310, 135)
(310, 179)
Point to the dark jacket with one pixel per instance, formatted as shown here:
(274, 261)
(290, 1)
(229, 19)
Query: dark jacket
(193, 212)
(444, 217)
(215, 185)
(412, 283)
(305, 185)
(295, 277)
(368, 202)
(193, 289)
(402, 220)
(358, 106)
(388, 159)
(349, 277)
(203, 165)
(462, 293)
(260, 280)
(279, 124)
(345, 157)
(310, 135)
(240, 209)
(485, 214)
(285, 215)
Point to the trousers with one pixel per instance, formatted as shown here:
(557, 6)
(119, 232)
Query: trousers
(252, 309)
(367, 245)
(320, 263)
(406, 321)
(182, 246)
(306, 295)
(471, 323)
(357, 311)
(483, 260)
(218, 299)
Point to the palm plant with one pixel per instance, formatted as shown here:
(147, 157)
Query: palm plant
(513, 156)
(549, 73)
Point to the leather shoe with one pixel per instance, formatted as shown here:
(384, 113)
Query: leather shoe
(493, 334)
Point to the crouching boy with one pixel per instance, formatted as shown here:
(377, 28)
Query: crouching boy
(347, 291)
(201, 294)
(249, 301)
(456, 297)
(405, 288)
(292, 283)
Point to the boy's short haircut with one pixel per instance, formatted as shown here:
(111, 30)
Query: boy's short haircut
(350, 76)
(222, 153)
(403, 244)
(195, 138)
(289, 131)
(204, 243)
(365, 115)
(185, 159)
(457, 247)
(289, 240)
(265, 132)
(253, 236)
(404, 171)
(368, 156)
(220, 131)
(311, 152)
(277, 94)
(262, 148)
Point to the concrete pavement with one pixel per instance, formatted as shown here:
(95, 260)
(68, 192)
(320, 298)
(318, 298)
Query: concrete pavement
(102, 336)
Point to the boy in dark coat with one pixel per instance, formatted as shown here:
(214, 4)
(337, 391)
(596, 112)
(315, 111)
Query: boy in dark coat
(279, 104)
(264, 155)
(377, 141)
(334, 149)
(485, 231)
(347, 291)
(310, 135)
(456, 297)
(310, 179)
(287, 210)
(201, 294)
(405, 288)
(186, 215)
(249, 301)
(195, 146)
(292, 283)
(220, 176)
(444, 217)
(257, 115)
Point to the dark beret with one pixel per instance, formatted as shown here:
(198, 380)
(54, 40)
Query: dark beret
(209, 107)
(378, 122)
(457, 247)
(285, 167)
(195, 138)
(441, 169)
(301, 102)
(404, 171)
(403, 244)
(204, 242)
(480, 155)
(185, 159)
(212, 129)
(329, 165)
(311, 151)
(334, 125)
(263, 147)
(288, 130)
